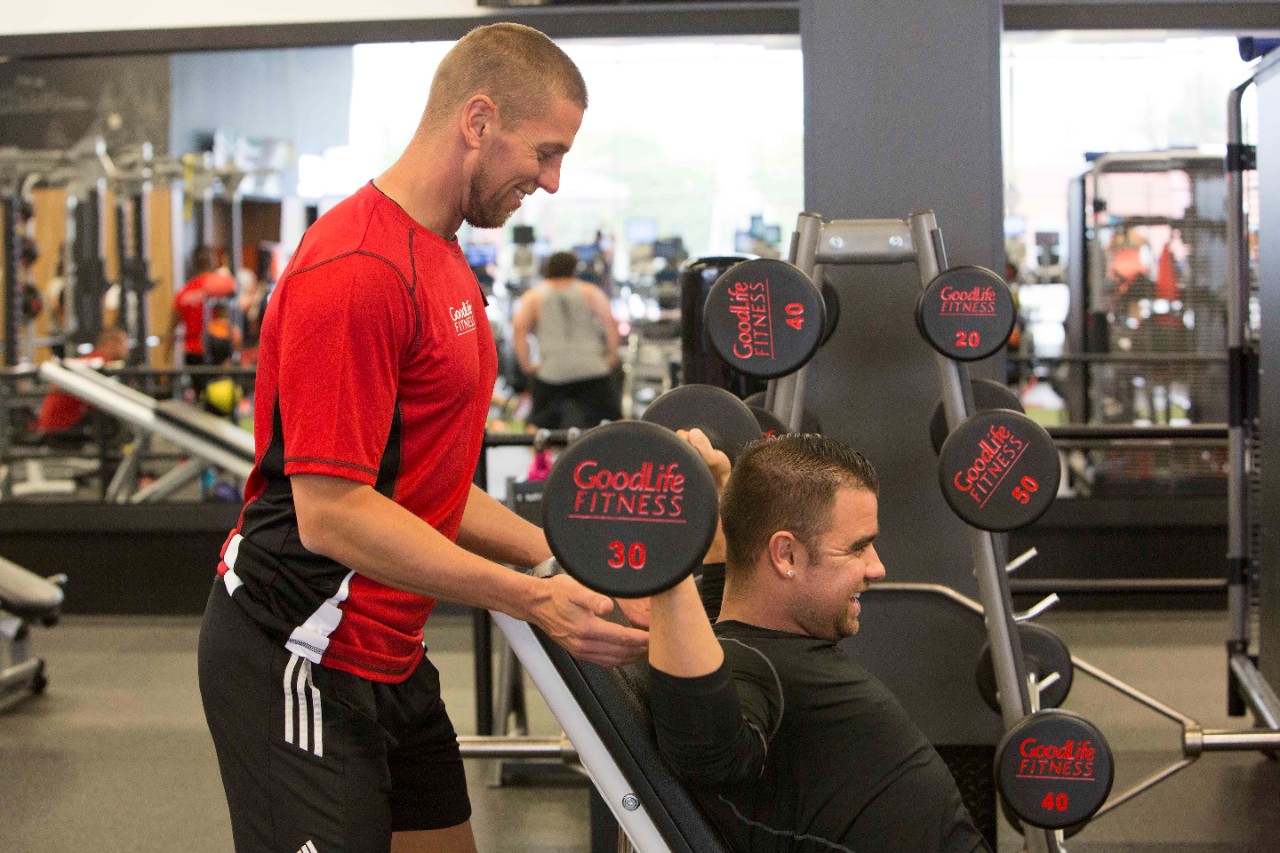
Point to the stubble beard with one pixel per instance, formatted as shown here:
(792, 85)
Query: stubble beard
(485, 212)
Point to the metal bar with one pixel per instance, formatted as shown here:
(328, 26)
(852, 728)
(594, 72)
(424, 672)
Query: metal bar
(554, 438)
(1020, 560)
(168, 483)
(1010, 669)
(1222, 740)
(125, 478)
(785, 395)
(1117, 432)
(1040, 607)
(1150, 782)
(930, 589)
(865, 241)
(1256, 690)
(1122, 358)
(1133, 693)
(18, 676)
(489, 746)
(1116, 585)
(1238, 504)
(790, 396)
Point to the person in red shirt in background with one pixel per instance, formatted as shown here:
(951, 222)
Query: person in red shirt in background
(61, 413)
(212, 280)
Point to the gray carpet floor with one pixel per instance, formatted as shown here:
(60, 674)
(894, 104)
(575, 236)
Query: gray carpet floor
(115, 758)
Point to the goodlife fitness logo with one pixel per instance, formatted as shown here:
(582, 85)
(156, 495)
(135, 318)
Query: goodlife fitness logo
(749, 303)
(464, 318)
(1072, 760)
(997, 453)
(976, 301)
(652, 492)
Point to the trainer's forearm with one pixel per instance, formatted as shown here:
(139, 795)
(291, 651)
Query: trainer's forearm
(492, 530)
(365, 531)
(681, 642)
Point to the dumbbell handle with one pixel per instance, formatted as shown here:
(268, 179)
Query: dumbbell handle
(547, 568)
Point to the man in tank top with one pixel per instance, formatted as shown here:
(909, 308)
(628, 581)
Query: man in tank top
(577, 348)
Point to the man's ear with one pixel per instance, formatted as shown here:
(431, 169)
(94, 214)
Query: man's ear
(478, 116)
(785, 552)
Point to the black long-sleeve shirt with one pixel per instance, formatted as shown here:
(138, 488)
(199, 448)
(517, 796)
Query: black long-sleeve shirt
(792, 746)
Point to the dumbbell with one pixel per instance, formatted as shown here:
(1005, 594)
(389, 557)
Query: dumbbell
(766, 318)
(808, 420)
(966, 313)
(629, 509)
(1046, 656)
(988, 394)
(1054, 770)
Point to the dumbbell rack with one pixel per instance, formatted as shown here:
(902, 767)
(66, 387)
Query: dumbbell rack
(817, 243)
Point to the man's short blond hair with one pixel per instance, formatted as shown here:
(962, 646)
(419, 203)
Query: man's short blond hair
(519, 68)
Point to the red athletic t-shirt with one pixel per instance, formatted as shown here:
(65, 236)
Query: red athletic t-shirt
(60, 411)
(189, 305)
(376, 365)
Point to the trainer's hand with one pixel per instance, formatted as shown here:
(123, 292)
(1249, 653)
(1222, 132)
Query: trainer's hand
(715, 459)
(573, 616)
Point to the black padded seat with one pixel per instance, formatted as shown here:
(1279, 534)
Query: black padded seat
(615, 701)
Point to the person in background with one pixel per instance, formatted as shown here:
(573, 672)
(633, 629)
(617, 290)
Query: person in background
(62, 414)
(577, 344)
(211, 280)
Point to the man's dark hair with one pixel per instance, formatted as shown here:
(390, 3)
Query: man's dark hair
(560, 265)
(787, 483)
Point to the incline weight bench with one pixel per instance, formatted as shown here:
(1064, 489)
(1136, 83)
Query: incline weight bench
(25, 597)
(209, 440)
(604, 712)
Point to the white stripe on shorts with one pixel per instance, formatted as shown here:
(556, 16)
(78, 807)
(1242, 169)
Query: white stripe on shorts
(310, 726)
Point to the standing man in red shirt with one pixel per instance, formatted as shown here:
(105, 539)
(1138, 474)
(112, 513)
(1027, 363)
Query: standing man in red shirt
(211, 280)
(375, 373)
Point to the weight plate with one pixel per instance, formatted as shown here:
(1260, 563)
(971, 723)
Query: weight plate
(770, 426)
(1045, 653)
(809, 422)
(966, 313)
(987, 394)
(1054, 768)
(723, 417)
(999, 470)
(629, 509)
(831, 304)
(764, 317)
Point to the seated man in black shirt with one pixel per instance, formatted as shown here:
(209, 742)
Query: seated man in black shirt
(789, 744)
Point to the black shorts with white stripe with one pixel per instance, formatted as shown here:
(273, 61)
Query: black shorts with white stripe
(320, 761)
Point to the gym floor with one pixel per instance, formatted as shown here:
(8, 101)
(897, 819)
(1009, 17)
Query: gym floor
(115, 758)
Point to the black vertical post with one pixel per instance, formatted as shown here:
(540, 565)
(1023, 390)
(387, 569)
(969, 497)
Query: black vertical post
(123, 316)
(482, 634)
(12, 292)
(90, 276)
(139, 278)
